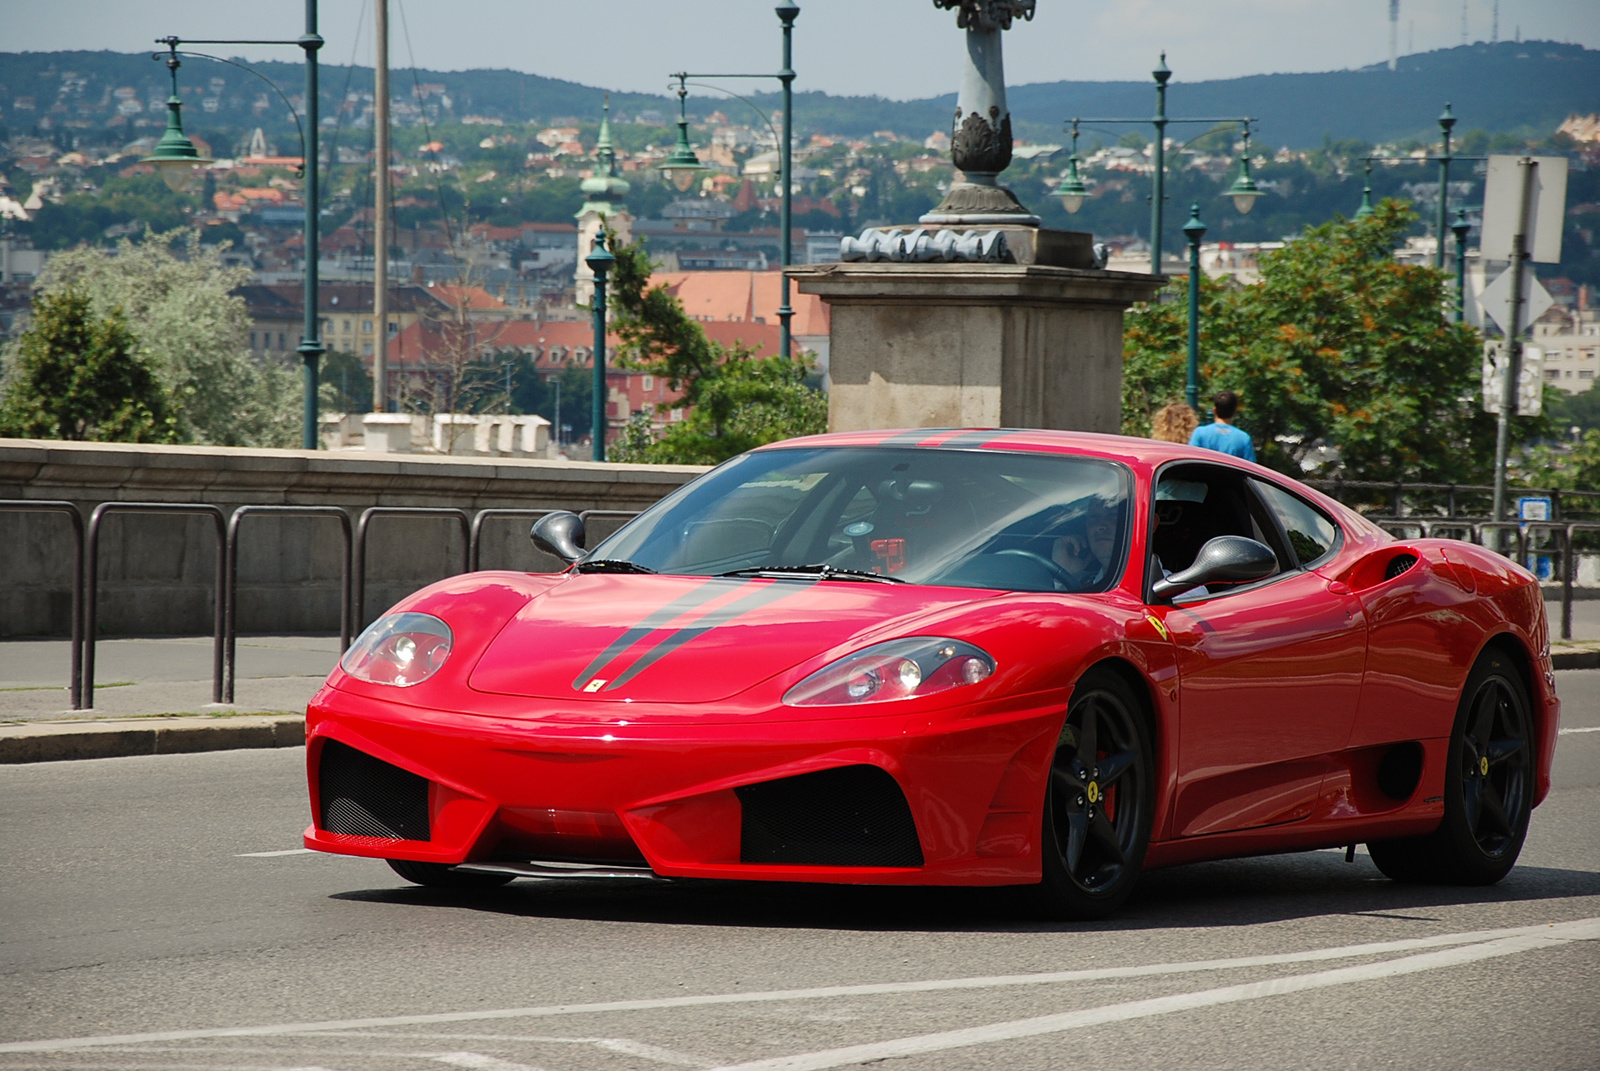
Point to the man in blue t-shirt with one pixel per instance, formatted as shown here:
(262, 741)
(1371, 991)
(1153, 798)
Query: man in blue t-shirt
(1221, 435)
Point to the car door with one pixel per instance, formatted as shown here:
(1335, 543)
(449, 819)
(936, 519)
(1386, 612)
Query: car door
(1269, 673)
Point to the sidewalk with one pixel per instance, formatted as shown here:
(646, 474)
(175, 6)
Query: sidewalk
(163, 675)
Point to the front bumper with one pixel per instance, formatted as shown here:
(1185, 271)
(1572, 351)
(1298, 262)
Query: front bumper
(688, 799)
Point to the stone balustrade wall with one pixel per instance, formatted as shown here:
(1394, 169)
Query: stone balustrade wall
(156, 572)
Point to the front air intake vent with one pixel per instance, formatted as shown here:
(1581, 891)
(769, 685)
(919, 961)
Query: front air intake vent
(849, 816)
(366, 797)
(1399, 564)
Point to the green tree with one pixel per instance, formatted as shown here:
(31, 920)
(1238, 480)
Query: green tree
(73, 375)
(736, 400)
(176, 296)
(1337, 346)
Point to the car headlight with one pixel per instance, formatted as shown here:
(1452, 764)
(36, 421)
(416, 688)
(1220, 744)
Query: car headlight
(399, 649)
(908, 668)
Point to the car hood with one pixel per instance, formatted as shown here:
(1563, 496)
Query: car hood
(684, 639)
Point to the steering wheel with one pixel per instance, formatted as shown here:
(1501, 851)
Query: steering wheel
(1057, 572)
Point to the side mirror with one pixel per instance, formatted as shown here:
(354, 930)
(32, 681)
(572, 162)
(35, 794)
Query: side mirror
(1225, 558)
(559, 533)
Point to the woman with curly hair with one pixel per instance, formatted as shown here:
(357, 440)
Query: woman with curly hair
(1173, 423)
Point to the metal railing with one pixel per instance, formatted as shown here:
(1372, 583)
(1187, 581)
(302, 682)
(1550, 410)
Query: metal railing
(75, 672)
(1397, 493)
(231, 622)
(474, 539)
(92, 585)
(359, 566)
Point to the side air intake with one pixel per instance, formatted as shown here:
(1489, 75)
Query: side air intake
(1399, 564)
(363, 796)
(849, 816)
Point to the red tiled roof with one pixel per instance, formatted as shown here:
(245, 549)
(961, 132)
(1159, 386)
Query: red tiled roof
(743, 297)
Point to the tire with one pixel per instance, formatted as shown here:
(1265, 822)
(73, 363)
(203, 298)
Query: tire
(1488, 787)
(1098, 802)
(443, 876)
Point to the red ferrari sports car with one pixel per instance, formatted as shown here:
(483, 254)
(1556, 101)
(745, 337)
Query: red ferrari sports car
(972, 657)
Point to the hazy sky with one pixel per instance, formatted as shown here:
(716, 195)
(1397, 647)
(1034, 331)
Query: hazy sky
(893, 48)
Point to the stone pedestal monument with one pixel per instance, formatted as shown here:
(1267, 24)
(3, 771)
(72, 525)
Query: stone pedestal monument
(978, 317)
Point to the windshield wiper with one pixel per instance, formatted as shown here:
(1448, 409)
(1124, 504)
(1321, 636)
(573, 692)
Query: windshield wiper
(821, 572)
(610, 565)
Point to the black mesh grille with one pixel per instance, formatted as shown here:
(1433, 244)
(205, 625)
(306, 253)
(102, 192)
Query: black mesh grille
(1399, 564)
(850, 816)
(366, 797)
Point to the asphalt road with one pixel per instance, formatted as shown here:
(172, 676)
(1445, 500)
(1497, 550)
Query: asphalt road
(154, 913)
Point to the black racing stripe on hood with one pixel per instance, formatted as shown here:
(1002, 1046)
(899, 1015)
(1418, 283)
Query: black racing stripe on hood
(658, 620)
(768, 594)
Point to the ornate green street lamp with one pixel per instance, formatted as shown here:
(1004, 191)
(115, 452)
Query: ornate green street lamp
(1366, 208)
(1072, 191)
(175, 156)
(682, 166)
(600, 261)
(1446, 122)
(1244, 190)
(1194, 230)
(1461, 228)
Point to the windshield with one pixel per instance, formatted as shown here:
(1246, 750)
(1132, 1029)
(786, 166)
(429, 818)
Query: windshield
(964, 518)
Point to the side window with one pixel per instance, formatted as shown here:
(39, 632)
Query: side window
(1312, 535)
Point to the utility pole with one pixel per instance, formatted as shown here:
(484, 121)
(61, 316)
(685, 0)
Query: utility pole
(380, 218)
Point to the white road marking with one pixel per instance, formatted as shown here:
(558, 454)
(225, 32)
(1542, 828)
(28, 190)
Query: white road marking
(1553, 937)
(273, 855)
(623, 1045)
(1314, 955)
(480, 1062)
(1579, 729)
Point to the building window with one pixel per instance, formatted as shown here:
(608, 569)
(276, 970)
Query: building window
(366, 327)
(1587, 373)
(648, 382)
(281, 345)
(394, 329)
(347, 325)
(366, 349)
(252, 340)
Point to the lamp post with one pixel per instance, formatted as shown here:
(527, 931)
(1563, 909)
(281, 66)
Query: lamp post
(170, 156)
(1461, 228)
(682, 164)
(1194, 230)
(1072, 191)
(1243, 191)
(600, 261)
(1446, 122)
(1366, 208)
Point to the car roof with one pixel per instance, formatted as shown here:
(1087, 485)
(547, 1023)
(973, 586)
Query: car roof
(1138, 452)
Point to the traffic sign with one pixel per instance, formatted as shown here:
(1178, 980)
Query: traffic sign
(1547, 208)
(1496, 299)
(1530, 384)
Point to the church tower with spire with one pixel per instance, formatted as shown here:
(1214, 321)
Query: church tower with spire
(603, 199)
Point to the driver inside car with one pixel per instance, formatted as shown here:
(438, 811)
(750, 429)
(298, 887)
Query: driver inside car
(1086, 550)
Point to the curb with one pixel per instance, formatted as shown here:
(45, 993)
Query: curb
(64, 741)
(1575, 659)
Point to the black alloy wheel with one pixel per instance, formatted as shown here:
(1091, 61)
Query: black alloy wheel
(1098, 804)
(1488, 789)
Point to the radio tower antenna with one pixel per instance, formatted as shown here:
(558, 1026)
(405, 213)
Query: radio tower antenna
(1394, 31)
(1494, 26)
